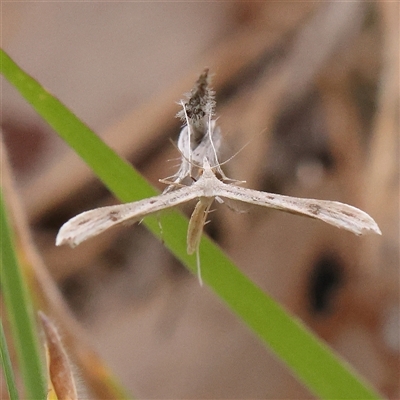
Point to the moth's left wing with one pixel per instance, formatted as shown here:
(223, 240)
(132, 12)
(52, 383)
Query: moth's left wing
(332, 212)
(94, 222)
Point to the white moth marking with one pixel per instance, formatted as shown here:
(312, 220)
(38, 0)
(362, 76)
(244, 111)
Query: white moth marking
(206, 189)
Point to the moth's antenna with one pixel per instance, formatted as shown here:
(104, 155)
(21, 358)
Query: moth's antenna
(239, 151)
(242, 148)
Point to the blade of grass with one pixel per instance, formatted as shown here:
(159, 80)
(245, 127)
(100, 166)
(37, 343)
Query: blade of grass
(310, 359)
(20, 314)
(6, 365)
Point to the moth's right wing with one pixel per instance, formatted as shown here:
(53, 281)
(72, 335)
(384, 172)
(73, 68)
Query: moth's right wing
(335, 213)
(93, 222)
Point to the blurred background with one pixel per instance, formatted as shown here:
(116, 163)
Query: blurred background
(311, 89)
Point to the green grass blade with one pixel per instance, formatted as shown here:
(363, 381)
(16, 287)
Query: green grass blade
(20, 314)
(310, 360)
(6, 365)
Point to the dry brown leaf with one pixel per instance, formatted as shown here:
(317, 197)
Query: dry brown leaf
(59, 366)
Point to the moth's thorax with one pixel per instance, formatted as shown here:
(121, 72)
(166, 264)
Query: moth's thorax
(208, 182)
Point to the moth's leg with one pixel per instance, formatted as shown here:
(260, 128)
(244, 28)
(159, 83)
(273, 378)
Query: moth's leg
(237, 207)
(160, 227)
(171, 184)
(219, 200)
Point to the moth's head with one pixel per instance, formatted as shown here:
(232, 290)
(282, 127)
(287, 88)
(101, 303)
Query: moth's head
(206, 168)
(209, 171)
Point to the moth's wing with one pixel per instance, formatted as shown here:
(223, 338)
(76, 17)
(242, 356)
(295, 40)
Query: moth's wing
(184, 168)
(183, 143)
(93, 222)
(208, 147)
(332, 212)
